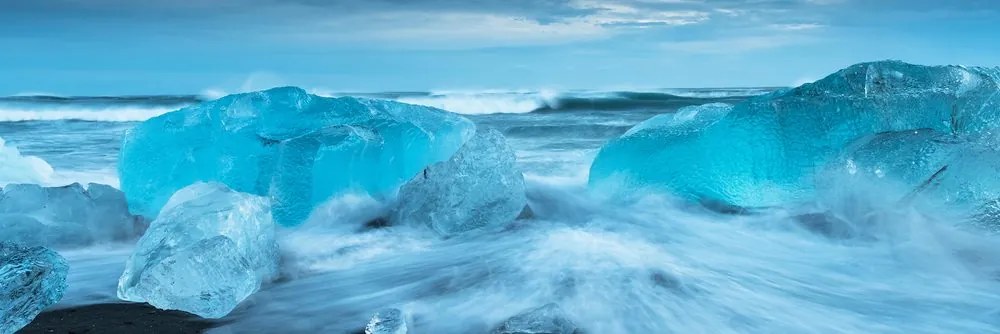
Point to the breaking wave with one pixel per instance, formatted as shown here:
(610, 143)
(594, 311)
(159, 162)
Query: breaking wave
(98, 114)
(140, 108)
(90, 108)
(546, 101)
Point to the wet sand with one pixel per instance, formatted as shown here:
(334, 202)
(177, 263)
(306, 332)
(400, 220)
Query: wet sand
(117, 318)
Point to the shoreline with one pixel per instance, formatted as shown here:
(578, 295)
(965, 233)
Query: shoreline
(117, 318)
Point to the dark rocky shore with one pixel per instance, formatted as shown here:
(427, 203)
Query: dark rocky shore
(117, 318)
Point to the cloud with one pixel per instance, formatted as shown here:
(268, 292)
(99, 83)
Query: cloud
(444, 30)
(603, 12)
(796, 26)
(733, 45)
(437, 24)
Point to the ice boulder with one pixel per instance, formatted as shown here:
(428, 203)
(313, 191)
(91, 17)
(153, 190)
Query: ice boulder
(479, 186)
(66, 217)
(949, 169)
(210, 248)
(297, 148)
(548, 319)
(17, 168)
(387, 321)
(31, 279)
(766, 150)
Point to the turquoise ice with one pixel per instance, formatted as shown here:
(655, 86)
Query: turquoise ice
(946, 168)
(297, 148)
(31, 279)
(66, 217)
(765, 151)
(210, 248)
(479, 186)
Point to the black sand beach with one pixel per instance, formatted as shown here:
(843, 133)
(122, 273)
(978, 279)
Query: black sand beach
(117, 318)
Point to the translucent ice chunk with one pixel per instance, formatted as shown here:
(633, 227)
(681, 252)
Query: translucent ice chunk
(388, 321)
(209, 249)
(31, 279)
(68, 216)
(765, 151)
(548, 319)
(949, 169)
(298, 148)
(479, 186)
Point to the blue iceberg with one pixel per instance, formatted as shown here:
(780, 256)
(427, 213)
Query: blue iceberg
(33, 278)
(209, 249)
(479, 186)
(297, 148)
(765, 151)
(67, 216)
(947, 168)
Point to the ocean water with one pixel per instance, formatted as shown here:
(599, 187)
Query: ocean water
(651, 264)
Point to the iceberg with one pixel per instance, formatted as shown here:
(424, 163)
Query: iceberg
(548, 319)
(950, 169)
(17, 168)
(388, 321)
(65, 217)
(479, 186)
(210, 248)
(33, 279)
(297, 148)
(766, 150)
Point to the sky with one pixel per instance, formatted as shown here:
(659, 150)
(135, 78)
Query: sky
(129, 47)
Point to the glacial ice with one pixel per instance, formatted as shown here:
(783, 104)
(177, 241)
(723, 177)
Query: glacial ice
(479, 186)
(765, 151)
(210, 248)
(32, 278)
(948, 168)
(17, 168)
(297, 148)
(67, 216)
(548, 319)
(387, 321)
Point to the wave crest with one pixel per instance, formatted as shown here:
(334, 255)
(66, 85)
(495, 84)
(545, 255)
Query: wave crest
(93, 114)
(17, 168)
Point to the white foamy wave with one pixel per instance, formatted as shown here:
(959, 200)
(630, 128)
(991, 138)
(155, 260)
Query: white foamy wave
(485, 103)
(17, 168)
(96, 114)
(719, 92)
(213, 93)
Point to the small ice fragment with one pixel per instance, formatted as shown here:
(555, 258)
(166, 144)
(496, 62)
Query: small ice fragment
(387, 321)
(479, 186)
(31, 279)
(548, 319)
(210, 248)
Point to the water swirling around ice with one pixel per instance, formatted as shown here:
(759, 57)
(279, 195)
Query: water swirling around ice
(656, 266)
(653, 265)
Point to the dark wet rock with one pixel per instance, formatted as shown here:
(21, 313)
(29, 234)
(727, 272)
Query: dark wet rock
(526, 213)
(666, 280)
(117, 318)
(826, 224)
(377, 223)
